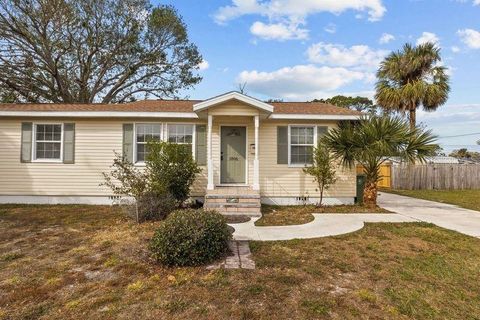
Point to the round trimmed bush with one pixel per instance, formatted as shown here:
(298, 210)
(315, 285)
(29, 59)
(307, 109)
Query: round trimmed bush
(190, 238)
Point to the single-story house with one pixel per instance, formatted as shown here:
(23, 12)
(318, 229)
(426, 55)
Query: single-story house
(56, 153)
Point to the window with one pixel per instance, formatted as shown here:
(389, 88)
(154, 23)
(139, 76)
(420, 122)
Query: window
(302, 141)
(181, 134)
(48, 142)
(145, 132)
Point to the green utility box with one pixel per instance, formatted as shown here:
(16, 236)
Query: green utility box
(360, 188)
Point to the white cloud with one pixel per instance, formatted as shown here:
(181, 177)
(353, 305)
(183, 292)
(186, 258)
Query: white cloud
(474, 2)
(358, 56)
(455, 49)
(278, 31)
(386, 38)
(330, 28)
(428, 37)
(293, 12)
(297, 8)
(470, 37)
(204, 65)
(299, 82)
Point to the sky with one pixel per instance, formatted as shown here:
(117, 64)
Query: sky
(298, 50)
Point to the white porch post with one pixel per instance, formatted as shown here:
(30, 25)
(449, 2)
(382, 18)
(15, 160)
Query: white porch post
(256, 168)
(210, 185)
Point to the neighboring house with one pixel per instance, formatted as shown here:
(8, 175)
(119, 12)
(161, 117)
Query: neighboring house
(56, 153)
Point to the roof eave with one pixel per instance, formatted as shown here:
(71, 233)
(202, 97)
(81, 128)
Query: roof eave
(299, 116)
(99, 114)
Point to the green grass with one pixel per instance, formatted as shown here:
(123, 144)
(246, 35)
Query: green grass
(469, 199)
(87, 262)
(293, 215)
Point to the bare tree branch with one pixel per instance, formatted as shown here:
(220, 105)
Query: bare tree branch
(93, 51)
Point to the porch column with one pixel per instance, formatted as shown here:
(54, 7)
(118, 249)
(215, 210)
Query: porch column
(256, 169)
(210, 185)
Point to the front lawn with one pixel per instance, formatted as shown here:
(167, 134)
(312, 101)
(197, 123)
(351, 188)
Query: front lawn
(86, 262)
(291, 215)
(469, 199)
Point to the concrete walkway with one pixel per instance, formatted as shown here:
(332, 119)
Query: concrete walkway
(443, 215)
(406, 210)
(323, 225)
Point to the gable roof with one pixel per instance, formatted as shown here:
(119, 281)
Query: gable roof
(177, 109)
(233, 95)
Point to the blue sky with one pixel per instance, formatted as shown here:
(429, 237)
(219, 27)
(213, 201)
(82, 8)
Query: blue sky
(304, 49)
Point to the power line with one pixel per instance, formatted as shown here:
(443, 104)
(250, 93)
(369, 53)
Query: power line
(460, 135)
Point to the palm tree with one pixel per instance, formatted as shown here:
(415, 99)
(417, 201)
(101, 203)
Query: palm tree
(411, 78)
(374, 140)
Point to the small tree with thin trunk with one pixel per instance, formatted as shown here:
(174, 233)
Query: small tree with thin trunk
(374, 140)
(322, 169)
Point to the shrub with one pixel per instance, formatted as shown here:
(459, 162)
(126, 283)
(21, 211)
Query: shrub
(171, 167)
(155, 206)
(161, 187)
(190, 237)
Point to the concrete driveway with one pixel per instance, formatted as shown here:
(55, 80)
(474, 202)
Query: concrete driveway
(443, 215)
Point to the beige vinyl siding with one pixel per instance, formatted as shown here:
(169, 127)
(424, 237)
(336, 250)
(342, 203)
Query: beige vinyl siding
(96, 140)
(95, 143)
(281, 180)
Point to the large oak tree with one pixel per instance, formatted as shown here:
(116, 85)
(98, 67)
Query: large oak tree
(93, 51)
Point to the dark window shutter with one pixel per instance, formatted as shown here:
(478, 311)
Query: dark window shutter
(69, 143)
(26, 144)
(127, 151)
(201, 144)
(282, 145)
(321, 131)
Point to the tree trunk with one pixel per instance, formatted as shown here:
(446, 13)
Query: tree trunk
(370, 194)
(413, 117)
(321, 196)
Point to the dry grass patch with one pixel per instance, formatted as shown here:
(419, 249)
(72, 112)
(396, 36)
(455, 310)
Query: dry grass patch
(87, 262)
(292, 215)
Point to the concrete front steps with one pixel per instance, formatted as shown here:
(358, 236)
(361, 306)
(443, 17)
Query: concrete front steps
(234, 201)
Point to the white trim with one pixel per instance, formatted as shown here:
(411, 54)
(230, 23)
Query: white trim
(99, 114)
(233, 95)
(298, 165)
(210, 183)
(313, 116)
(34, 143)
(256, 164)
(184, 115)
(220, 156)
(292, 201)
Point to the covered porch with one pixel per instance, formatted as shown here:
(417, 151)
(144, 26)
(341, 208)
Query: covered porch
(233, 152)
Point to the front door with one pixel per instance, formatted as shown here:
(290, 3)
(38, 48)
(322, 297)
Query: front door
(232, 154)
